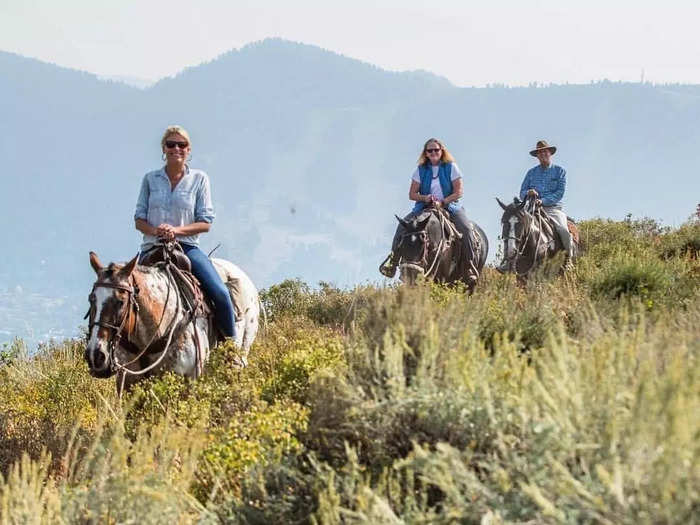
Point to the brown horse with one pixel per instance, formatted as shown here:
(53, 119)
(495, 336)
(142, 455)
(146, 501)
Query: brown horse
(141, 324)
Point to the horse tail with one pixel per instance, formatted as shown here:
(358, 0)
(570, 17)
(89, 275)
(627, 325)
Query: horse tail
(483, 246)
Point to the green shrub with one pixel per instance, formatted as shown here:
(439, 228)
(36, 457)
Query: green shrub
(566, 400)
(291, 296)
(43, 398)
(683, 242)
(625, 276)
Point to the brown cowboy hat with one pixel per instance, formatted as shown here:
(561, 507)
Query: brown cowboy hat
(542, 144)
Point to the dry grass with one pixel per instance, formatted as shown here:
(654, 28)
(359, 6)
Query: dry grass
(572, 400)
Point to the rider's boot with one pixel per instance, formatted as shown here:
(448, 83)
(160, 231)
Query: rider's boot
(568, 248)
(388, 267)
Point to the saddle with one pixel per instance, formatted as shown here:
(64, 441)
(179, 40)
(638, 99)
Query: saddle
(167, 252)
(449, 228)
(548, 223)
(169, 256)
(170, 253)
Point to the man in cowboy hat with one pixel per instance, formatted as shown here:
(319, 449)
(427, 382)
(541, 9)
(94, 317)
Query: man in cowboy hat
(547, 182)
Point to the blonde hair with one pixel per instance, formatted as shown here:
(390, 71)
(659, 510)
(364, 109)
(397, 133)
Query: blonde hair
(445, 157)
(171, 130)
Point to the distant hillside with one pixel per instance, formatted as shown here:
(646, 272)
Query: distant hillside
(309, 154)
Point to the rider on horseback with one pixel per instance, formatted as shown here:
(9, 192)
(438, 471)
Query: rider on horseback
(547, 182)
(437, 182)
(175, 204)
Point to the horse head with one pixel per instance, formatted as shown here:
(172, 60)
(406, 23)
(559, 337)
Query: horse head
(415, 246)
(513, 222)
(112, 311)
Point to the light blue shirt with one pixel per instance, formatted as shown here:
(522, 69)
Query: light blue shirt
(549, 182)
(189, 202)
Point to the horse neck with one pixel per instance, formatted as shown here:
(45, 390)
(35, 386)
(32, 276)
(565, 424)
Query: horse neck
(434, 226)
(157, 310)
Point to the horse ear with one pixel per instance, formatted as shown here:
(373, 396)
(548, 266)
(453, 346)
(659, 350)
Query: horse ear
(401, 221)
(129, 268)
(522, 204)
(501, 204)
(95, 262)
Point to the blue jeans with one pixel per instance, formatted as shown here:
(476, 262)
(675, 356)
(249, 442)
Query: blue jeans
(213, 287)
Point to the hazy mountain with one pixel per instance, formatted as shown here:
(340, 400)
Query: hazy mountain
(309, 155)
(137, 82)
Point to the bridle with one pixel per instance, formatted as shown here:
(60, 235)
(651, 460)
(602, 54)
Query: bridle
(129, 309)
(444, 243)
(521, 240)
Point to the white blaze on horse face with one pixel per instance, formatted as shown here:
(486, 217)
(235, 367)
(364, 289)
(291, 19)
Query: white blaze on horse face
(95, 343)
(510, 244)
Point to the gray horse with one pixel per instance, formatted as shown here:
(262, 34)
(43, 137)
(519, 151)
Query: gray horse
(432, 247)
(529, 238)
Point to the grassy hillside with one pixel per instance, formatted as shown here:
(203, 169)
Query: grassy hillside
(573, 400)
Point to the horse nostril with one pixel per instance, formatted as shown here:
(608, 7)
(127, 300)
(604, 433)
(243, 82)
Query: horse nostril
(98, 360)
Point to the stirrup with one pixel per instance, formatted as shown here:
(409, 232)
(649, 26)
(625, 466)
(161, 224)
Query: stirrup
(388, 269)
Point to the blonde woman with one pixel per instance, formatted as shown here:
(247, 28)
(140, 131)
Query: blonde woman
(175, 204)
(437, 182)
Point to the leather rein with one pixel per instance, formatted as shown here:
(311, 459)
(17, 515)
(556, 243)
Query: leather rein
(444, 243)
(131, 310)
(521, 240)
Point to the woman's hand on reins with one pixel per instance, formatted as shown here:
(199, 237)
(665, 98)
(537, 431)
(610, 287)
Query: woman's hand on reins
(166, 231)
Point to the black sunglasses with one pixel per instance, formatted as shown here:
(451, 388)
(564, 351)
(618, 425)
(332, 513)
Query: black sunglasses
(170, 144)
(433, 150)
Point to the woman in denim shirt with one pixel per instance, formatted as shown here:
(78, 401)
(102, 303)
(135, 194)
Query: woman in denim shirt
(175, 204)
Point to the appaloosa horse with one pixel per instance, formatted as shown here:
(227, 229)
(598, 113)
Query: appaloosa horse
(142, 324)
(529, 238)
(431, 246)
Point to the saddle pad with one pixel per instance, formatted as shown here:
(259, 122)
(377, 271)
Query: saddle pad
(235, 289)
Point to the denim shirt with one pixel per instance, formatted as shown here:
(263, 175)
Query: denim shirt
(549, 182)
(189, 202)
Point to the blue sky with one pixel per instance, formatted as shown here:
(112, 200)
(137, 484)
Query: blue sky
(470, 43)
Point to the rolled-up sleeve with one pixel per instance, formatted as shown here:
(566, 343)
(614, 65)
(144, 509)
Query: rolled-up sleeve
(204, 208)
(142, 201)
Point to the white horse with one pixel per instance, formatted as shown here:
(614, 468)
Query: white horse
(141, 324)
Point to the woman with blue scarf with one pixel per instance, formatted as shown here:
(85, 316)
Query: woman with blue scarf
(437, 181)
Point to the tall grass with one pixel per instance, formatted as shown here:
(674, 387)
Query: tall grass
(571, 400)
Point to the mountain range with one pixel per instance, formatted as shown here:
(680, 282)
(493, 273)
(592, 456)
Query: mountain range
(309, 155)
